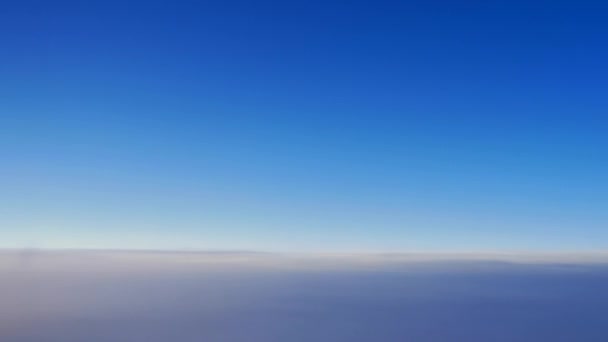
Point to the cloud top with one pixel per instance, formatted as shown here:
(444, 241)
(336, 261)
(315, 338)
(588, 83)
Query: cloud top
(101, 296)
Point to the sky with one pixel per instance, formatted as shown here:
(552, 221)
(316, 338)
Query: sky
(304, 125)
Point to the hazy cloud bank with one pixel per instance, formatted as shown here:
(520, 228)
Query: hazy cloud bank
(240, 296)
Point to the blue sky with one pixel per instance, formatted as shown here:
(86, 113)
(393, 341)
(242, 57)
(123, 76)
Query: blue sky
(317, 125)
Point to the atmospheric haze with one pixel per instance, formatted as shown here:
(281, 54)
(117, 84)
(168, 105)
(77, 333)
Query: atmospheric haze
(98, 296)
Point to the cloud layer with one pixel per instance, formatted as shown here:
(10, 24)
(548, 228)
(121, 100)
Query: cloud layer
(256, 297)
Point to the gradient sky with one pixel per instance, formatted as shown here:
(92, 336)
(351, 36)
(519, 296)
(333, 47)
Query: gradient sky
(312, 125)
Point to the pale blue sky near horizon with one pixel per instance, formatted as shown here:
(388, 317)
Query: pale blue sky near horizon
(299, 126)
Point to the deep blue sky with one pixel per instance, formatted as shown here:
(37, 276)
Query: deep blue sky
(313, 125)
